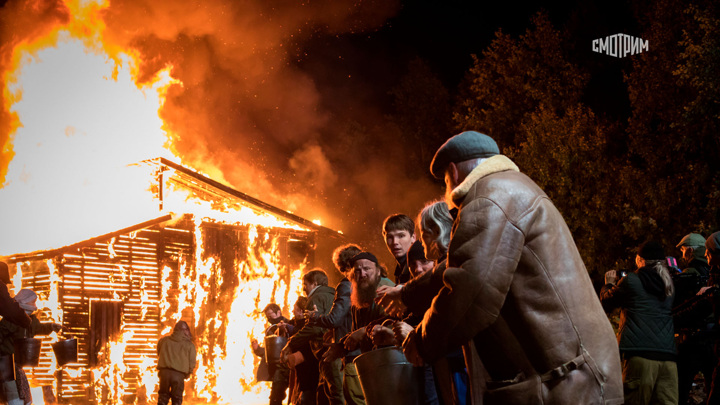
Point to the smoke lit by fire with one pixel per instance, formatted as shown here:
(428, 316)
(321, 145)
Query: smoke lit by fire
(90, 88)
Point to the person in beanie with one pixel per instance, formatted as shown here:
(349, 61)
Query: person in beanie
(176, 362)
(10, 332)
(516, 293)
(646, 332)
(365, 312)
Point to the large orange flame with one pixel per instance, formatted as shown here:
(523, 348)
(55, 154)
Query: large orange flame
(80, 120)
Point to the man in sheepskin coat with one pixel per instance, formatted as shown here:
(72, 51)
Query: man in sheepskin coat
(517, 295)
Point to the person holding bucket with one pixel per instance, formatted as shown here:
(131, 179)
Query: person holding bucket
(12, 334)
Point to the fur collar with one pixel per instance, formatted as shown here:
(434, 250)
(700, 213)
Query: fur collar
(497, 163)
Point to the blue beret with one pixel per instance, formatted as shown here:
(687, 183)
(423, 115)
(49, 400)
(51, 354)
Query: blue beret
(461, 147)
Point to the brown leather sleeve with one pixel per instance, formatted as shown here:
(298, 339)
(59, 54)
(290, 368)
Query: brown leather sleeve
(484, 253)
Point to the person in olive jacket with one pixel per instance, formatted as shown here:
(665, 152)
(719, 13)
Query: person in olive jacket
(339, 319)
(320, 298)
(646, 333)
(176, 362)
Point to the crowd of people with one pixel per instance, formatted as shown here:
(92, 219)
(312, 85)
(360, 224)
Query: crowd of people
(491, 304)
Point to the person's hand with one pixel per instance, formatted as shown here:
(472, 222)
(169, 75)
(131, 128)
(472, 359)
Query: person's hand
(56, 327)
(611, 277)
(703, 289)
(281, 329)
(410, 350)
(353, 341)
(382, 336)
(334, 352)
(254, 344)
(311, 315)
(284, 353)
(401, 330)
(389, 298)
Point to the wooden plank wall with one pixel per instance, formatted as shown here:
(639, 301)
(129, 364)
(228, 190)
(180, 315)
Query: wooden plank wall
(128, 270)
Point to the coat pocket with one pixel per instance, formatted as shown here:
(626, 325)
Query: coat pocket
(521, 390)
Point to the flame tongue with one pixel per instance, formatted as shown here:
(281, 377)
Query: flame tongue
(82, 119)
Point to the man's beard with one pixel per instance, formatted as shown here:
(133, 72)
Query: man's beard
(364, 292)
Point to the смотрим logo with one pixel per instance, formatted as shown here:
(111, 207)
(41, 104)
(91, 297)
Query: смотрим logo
(620, 45)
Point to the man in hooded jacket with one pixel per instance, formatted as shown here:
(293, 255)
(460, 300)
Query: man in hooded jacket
(176, 362)
(516, 293)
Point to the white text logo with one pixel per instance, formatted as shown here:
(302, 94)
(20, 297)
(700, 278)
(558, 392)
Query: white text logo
(619, 45)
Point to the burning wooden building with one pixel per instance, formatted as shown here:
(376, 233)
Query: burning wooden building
(212, 256)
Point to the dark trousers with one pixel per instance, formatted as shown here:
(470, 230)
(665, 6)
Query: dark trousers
(695, 354)
(426, 380)
(172, 385)
(280, 382)
(330, 386)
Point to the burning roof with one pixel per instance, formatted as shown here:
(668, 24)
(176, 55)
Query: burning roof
(215, 261)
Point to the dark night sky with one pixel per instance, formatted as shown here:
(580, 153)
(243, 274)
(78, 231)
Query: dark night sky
(447, 33)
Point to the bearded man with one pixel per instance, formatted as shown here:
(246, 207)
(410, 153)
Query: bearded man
(365, 279)
(516, 293)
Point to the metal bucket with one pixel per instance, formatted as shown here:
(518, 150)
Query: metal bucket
(27, 352)
(388, 378)
(273, 346)
(65, 351)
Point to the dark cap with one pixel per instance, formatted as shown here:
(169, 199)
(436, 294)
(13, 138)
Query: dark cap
(692, 239)
(461, 147)
(713, 242)
(364, 255)
(651, 250)
(416, 252)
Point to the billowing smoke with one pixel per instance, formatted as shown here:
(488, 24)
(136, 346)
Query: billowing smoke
(248, 114)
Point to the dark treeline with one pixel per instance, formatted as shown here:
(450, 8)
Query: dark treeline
(650, 171)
